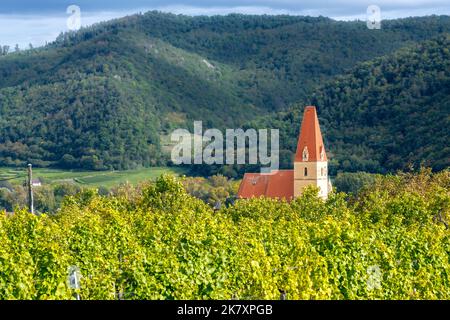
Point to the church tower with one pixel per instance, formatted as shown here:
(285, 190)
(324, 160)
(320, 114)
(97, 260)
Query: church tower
(310, 164)
(310, 168)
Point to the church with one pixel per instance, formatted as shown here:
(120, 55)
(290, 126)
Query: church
(310, 167)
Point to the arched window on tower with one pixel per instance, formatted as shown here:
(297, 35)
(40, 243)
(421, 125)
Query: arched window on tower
(305, 154)
(322, 153)
(306, 172)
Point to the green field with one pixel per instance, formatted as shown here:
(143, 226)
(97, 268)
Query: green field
(87, 178)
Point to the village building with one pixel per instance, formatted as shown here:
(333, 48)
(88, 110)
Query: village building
(310, 167)
(36, 183)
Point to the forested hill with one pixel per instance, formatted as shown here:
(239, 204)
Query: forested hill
(387, 114)
(107, 96)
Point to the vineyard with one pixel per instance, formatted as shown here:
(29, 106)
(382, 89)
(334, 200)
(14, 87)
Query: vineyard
(155, 241)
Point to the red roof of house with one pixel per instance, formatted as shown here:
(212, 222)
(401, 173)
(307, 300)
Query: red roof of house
(279, 184)
(310, 137)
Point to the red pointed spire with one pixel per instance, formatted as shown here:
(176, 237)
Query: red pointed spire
(310, 145)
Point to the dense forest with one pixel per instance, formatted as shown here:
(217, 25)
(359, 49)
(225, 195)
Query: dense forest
(384, 115)
(108, 96)
(391, 241)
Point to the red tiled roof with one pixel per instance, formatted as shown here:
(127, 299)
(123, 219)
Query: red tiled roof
(310, 137)
(279, 184)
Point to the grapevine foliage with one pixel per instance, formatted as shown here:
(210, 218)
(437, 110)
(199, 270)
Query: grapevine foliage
(389, 243)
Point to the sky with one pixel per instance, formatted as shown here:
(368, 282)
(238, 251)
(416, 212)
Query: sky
(36, 21)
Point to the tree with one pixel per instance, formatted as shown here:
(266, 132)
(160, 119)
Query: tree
(4, 50)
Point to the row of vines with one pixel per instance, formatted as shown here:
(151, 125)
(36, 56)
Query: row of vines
(158, 242)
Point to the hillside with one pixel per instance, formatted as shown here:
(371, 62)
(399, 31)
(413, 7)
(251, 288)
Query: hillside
(108, 96)
(384, 115)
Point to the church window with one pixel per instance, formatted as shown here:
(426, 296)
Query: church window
(305, 154)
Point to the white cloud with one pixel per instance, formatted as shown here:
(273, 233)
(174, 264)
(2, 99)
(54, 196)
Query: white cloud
(37, 29)
(394, 14)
